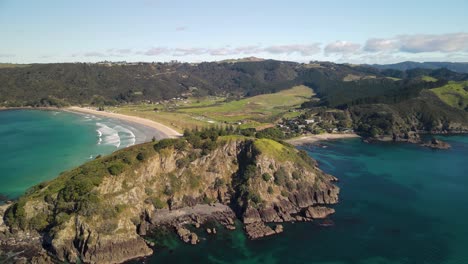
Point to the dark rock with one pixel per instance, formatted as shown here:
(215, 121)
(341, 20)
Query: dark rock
(258, 230)
(251, 215)
(278, 229)
(318, 212)
(436, 144)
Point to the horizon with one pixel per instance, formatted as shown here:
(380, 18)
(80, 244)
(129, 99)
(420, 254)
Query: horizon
(301, 31)
(229, 59)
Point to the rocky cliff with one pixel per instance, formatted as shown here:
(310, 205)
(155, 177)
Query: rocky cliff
(98, 212)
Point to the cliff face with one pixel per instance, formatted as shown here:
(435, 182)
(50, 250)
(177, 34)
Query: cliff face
(98, 211)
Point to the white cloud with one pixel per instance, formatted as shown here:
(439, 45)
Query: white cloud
(155, 51)
(434, 43)
(304, 50)
(94, 54)
(189, 51)
(342, 47)
(377, 45)
(419, 43)
(123, 51)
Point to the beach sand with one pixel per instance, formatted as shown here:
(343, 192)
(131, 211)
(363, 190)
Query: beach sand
(320, 137)
(166, 131)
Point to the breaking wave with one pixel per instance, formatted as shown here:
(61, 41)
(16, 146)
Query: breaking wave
(115, 135)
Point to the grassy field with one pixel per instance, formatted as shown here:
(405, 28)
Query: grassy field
(454, 94)
(256, 111)
(428, 78)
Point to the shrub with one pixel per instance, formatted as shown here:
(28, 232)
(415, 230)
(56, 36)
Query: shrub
(254, 197)
(149, 191)
(39, 222)
(250, 172)
(280, 176)
(266, 177)
(116, 168)
(219, 183)
(157, 203)
(271, 133)
(208, 146)
(290, 185)
(248, 132)
(165, 143)
(141, 156)
(296, 175)
(270, 190)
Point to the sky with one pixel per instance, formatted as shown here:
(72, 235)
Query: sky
(364, 31)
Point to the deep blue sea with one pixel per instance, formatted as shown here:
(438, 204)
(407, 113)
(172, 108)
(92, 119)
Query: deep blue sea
(400, 203)
(37, 145)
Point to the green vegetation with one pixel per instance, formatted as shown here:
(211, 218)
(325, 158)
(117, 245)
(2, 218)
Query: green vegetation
(98, 84)
(266, 177)
(428, 78)
(193, 112)
(75, 190)
(454, 94)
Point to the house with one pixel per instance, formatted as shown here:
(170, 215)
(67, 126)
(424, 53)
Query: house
(309, 121)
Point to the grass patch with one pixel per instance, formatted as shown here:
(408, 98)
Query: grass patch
(428, 78)
(454, 94)
(193, 113)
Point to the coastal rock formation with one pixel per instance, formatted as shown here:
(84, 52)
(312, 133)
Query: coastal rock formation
(98, 212)
(318, 212)
(436, 144)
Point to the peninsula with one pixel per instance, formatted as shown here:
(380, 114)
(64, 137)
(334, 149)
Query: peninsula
(101, 211)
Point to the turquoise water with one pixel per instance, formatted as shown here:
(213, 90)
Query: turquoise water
(400, 203)
(37, 145)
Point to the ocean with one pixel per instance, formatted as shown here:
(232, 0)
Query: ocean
(399, 203)
(35, 146)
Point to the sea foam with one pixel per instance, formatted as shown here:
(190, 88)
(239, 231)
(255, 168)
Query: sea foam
(108, 135)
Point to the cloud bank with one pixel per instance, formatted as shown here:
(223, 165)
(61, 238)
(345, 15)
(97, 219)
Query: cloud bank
(419, 43)
(374, 49)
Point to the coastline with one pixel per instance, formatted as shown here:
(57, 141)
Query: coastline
(166, 131)
(298, 141)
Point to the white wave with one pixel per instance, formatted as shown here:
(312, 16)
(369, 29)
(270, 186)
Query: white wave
(127, 137)
(108, 135)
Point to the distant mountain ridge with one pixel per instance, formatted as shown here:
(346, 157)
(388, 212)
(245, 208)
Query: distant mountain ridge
(409, 65)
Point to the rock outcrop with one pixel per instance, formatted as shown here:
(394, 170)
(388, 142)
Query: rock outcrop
(98, 213)
(436, 144)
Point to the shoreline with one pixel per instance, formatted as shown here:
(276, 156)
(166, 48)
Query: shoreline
(165, 130)
(298, 141)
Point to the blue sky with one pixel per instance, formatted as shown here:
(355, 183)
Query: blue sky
(205, 30)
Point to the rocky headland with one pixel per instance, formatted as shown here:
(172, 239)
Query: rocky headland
(101, 211)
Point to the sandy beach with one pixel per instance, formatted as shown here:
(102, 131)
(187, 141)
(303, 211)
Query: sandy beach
(320, 137)
(167, 131)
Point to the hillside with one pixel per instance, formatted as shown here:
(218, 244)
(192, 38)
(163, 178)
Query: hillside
(110, 203)
(103, 84)
(409, 65)
(249, 93)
